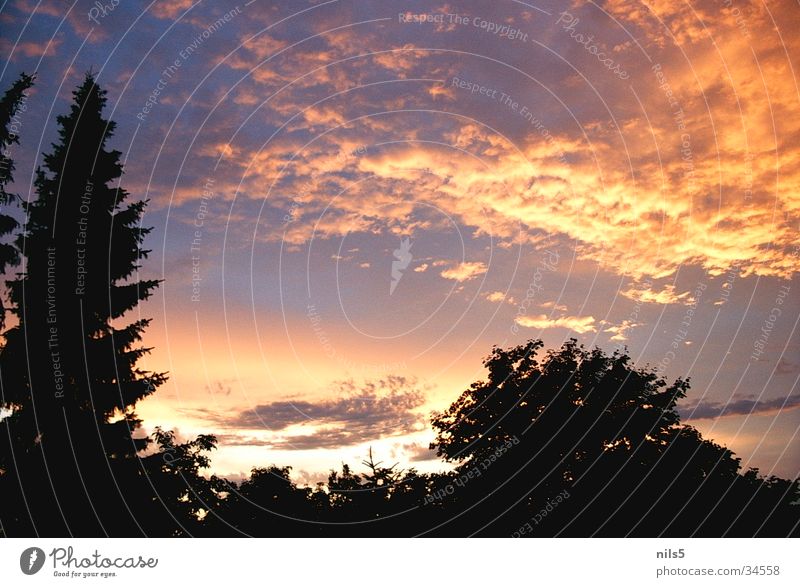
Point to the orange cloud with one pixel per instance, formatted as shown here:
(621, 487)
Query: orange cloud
(465, 271)
(498, 296)
(31, 48)
(171, 8)
(580, 325)
(700, 166)
(620, 331)
(666, 295)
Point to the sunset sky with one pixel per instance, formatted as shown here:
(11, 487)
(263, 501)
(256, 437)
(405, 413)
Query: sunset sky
(626, 173)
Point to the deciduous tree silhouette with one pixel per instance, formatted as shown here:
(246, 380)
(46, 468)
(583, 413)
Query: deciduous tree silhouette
(607, 434)
(181, 498)
(268, 503)
(572, 443)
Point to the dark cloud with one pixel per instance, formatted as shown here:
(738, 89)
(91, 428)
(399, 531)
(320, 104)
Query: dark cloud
(785, 367)
(702, 410)
(415, 452)
(358, 414)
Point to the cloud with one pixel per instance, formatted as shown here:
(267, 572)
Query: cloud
(31, 48)
(709, 409)
(498, 296)
(784, 367)
(465, 271)
(580, 325)
(361, 413)
(414, 452)
(665, 295)
(623, 189)
(620, 331)
(169, 9)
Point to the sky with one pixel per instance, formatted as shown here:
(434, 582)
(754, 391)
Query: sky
(353, 202)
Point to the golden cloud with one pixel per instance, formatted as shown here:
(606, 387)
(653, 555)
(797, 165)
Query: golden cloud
(465, 271)
(666, 295)
(620, 331)
(580, 325)
(498, 296)
(699, 167)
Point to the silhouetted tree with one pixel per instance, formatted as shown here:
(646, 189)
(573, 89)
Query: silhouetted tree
(368, 495)
(572, 443)
(382, 501)
(268, 503)
(583, 424)
(12, 102)
(69, 372)
(181, 498)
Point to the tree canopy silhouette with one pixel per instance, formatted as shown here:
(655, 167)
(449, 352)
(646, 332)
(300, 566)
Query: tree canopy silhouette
(12, 102)
(569, 442)
(70, 375)
(593, 426)
(573, 442)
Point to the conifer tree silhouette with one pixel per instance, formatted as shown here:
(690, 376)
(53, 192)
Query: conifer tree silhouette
(69, 372)
(11, 103)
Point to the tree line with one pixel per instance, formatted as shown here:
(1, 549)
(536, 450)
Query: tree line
(567, 442)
